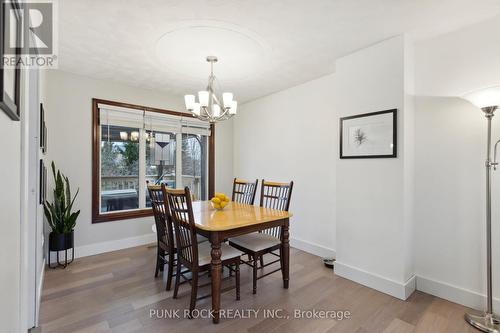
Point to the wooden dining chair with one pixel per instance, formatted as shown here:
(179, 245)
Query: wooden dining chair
(194, 256)
(244, 191)
(276, 196)
(164, 233)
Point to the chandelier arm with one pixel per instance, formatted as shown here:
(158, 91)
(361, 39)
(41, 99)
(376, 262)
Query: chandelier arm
(226, 111)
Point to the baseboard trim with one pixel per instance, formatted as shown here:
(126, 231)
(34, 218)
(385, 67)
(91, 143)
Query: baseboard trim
(113, 245)
(454, 294)
(318, 250)
(39, 295)
(377, 282)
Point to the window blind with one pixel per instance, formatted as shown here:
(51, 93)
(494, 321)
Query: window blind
(121, 116)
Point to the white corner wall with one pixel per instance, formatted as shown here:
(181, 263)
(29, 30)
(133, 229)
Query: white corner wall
(292, 135)
(375, 196)
(10, 235)
(450, 174)
(450, 201)
(68, 105)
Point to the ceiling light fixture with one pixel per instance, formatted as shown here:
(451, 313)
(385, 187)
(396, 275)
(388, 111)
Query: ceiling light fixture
(209, 107)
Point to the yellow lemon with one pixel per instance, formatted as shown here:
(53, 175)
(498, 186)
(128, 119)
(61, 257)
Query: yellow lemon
(216, 200)
(217, 206)
(223, 204)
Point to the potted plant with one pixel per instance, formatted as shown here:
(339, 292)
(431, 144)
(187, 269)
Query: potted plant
(59, 216)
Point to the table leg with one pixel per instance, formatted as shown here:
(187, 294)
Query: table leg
(285, 253)
(216, 277)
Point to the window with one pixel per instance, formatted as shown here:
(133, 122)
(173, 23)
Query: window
(134, 145)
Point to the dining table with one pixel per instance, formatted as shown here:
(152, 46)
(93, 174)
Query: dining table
(234, 220)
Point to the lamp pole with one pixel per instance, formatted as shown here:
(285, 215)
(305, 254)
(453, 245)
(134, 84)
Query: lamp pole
(487, 322)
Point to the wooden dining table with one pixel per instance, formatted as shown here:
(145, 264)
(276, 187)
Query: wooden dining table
(234, 220)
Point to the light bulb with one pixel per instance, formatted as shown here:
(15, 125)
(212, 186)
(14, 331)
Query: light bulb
(203, 98)
(484, 97)
(189, 100)
(134, 136)
(227, 97)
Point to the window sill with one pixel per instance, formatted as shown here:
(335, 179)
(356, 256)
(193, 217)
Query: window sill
(126, 215)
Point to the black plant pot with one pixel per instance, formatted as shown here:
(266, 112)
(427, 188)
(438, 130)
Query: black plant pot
(62, 242)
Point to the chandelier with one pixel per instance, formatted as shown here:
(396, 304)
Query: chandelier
(209, 107)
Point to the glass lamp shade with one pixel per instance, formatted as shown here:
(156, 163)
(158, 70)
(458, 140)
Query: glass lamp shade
(134, 136)
(234, 107)
(124, 136)
(196, 109)
(203, 98)
(189, 100)
(216, 110)
(483, 98)
(227, 98)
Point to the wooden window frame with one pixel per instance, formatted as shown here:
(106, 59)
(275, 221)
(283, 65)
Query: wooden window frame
(97, 216)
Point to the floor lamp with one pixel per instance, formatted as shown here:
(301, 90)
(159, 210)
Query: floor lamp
(487, 100)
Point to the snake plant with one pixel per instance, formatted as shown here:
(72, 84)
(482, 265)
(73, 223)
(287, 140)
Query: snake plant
(58, 213)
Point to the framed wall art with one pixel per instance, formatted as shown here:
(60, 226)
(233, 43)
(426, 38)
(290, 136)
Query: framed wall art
(42, 182)
(369, 135)
(42, 131)
(10, 75)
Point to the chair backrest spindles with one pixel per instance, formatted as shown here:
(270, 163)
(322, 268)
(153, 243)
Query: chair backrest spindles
(181, 210)
(244, 191)
(163, 223)
(276, 196)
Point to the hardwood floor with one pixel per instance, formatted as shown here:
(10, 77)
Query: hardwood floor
(116, 292)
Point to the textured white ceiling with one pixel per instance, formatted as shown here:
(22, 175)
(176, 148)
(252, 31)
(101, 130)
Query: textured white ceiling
(263, 46)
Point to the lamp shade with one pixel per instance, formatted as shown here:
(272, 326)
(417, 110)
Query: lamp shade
(189, 100)
(196, 109)
(234, 107)
(203, 98)
(216, 110)
(484, 97)
(227, 98)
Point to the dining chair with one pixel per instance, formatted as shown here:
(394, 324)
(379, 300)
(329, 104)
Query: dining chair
(276, 196)
(164, 233)
(244, 191)
(194, 256)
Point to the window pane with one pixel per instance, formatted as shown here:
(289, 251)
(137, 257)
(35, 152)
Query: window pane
(160, 159)
(194, 165)
(119, 168)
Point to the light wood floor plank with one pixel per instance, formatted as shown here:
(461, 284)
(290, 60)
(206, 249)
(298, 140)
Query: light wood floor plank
(116, 291)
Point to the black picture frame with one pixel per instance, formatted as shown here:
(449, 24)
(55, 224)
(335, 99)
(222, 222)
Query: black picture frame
(10, 104)
(393, 154)
(42, 182)
(42, 131)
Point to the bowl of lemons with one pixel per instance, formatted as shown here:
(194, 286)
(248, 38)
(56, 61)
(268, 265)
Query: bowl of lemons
(219, 201)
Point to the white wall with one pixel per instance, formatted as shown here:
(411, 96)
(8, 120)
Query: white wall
(450, 155)
(11, 221)
(450, 206)
(374, 196)
(68, 110)
(460, 61)
(291, 135)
